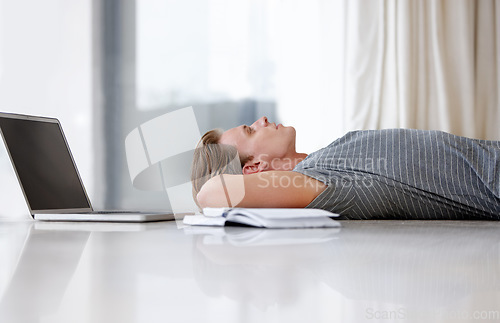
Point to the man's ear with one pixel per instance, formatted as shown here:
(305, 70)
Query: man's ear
(252, 167)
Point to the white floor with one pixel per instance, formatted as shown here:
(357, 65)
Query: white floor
(376, 271)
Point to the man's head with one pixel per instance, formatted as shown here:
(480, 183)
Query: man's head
(268, 144)
(259, 147)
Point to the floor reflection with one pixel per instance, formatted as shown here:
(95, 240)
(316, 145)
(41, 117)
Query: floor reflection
(420, 264)
(156, 272)
(416, 264)
(258, 266)
(50, 256)
(43, 272)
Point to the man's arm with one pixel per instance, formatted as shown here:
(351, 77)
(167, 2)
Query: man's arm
(269, 189)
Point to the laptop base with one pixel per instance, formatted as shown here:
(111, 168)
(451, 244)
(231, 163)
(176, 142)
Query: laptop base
(111, 217)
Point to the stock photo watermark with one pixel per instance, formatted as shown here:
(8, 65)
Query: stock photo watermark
(402, 313)
(160, 152)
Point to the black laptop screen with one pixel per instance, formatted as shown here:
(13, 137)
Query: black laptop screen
(43, 164)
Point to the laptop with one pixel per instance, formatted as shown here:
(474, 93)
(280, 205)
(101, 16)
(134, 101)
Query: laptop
(48, 174)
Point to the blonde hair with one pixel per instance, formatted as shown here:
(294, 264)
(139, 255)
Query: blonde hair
(212, 158)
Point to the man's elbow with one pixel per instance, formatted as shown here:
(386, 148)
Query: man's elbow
(202, 198)
(222, 193)
(210, 194)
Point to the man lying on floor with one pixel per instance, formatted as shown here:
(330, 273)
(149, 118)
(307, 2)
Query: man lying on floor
(373, 174)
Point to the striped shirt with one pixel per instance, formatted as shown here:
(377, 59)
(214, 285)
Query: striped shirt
(407, 174)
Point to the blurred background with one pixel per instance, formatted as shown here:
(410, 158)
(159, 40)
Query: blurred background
(324, 66)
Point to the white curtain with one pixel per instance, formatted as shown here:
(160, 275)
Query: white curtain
(373, 64)
(427, 64)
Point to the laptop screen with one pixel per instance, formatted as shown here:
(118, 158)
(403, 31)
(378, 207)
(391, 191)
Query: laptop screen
(43, 164)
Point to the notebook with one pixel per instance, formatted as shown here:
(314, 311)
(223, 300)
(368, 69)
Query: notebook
(275, 218)
(48, 175)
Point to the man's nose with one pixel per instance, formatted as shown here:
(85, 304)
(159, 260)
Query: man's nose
(262, 122)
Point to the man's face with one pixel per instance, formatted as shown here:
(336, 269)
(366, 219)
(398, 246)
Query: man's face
(262, 140)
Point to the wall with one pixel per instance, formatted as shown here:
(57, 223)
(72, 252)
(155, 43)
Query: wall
(45, 69)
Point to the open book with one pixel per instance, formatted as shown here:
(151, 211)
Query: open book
(264, 218)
